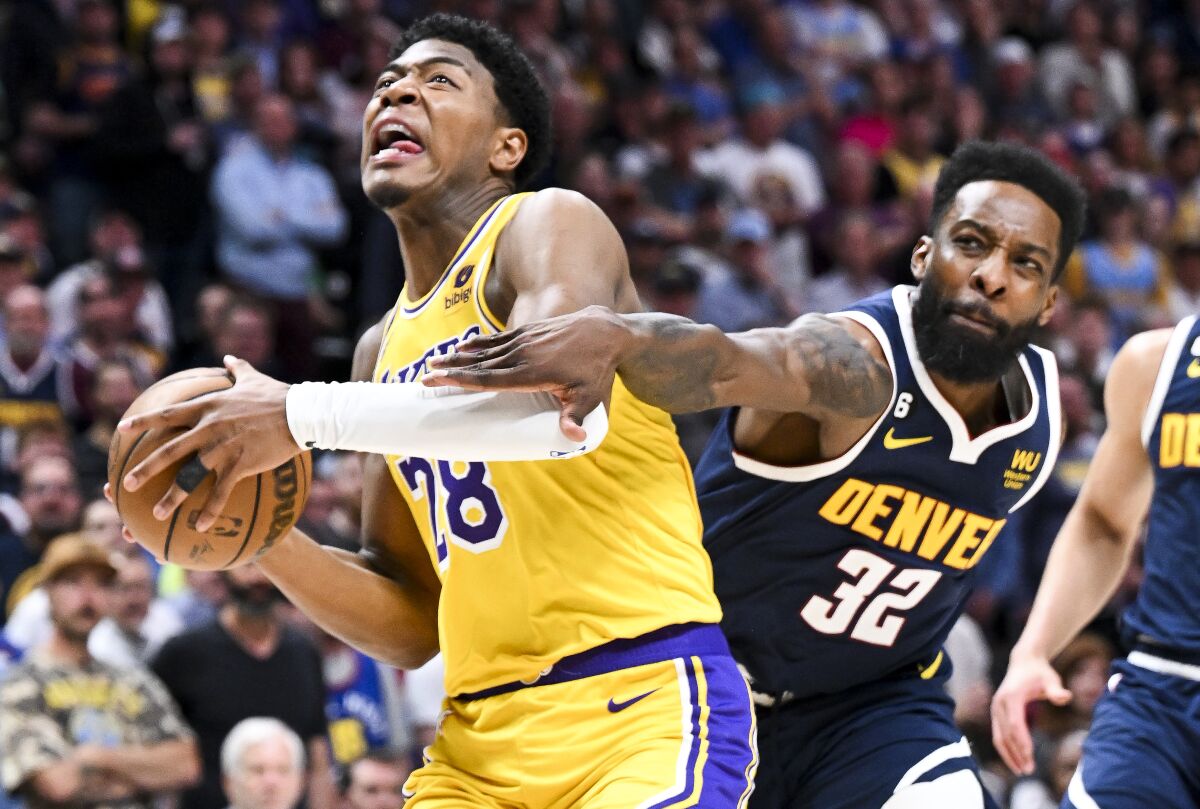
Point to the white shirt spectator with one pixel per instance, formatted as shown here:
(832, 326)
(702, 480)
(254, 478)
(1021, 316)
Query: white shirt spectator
(29, 626)
(272, 214)
(741, 167)
(153, 312)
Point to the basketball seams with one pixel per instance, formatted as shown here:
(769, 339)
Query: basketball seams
(253, 520)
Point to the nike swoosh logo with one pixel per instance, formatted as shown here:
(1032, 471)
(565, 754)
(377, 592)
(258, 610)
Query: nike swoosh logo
(891, 442)
(1193, 370)
(617, 707)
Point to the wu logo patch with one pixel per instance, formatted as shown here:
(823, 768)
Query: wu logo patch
(1018, 474)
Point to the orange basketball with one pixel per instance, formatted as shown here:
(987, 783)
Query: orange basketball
(260, 510)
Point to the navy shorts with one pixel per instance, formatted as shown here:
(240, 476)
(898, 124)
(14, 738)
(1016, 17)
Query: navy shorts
(858, 749)
(1144, 745)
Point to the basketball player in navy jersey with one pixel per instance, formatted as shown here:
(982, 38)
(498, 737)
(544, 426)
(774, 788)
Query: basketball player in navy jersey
(868, 461)
(1144, 745)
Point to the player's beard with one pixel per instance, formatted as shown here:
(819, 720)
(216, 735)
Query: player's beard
(256, 599)
(957, 353)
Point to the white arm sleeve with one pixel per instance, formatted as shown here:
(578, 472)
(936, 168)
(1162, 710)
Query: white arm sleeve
(449, 424)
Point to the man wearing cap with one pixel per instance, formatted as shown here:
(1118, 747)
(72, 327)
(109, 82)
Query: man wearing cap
(74, 730)
(749, 295)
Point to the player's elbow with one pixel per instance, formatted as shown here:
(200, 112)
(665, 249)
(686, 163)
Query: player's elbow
(409, 655)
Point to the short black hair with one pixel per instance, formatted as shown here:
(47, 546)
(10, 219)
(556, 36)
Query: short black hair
(516, 82)
(391, 756)
(975, 161)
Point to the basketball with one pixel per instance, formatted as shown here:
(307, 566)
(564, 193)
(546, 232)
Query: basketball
(260, 510)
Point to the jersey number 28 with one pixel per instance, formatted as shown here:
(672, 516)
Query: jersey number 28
(463, 506)
(875, 622)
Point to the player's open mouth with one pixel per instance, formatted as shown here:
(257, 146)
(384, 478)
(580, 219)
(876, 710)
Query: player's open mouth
(394, 141)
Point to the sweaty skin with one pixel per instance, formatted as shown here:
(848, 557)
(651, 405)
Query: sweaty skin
(808, 391)
(559, 254)
(1092, 550)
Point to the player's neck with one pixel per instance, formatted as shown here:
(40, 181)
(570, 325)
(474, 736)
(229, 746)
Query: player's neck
(431, 230)
(979, 403)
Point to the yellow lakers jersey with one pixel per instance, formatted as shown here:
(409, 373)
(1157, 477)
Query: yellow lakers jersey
(540, 560)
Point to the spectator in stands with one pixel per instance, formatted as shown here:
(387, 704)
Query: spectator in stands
(78, 731)
(91, 71)
(50, 504)
(138, 623)
(15, 268)
(856, 274)
(1086, 59)
(153, 153)
(277, 674)
(274, 211)
(912, 159)
(749, 294)
(675, 184)
(1119, 266)
(114, 387)
(262, 765)
(246, 329)
(1013, 95)
(1183, 299)
(376, 780)
(759, 151)
(32, 378)
(105, 334)
(115, 242)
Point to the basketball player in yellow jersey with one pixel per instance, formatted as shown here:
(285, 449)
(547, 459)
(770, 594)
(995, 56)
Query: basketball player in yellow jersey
(571, 598)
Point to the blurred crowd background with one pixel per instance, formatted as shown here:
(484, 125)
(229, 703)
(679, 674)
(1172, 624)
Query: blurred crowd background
(179, 181)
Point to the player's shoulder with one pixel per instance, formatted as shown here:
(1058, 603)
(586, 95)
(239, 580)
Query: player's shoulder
(1138, 360)
(1130, 381)
(557, 207)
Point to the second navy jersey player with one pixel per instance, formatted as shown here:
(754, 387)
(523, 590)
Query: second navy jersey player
(1143, 748)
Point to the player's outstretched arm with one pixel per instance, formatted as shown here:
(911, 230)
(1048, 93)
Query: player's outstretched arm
(1091, 551)
(819, 365)
(382, 600)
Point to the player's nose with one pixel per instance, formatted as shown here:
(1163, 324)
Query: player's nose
(989, 278)
(401, 92)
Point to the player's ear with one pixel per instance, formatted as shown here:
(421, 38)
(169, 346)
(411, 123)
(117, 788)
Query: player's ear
(1048, 306)
(510, 147)
(921, 256)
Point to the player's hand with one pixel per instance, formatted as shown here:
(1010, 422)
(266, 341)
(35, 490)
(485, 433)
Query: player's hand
(573, 357)
(235, 433)
(1028, 679)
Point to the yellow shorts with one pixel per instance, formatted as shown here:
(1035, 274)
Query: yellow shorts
(674, 733)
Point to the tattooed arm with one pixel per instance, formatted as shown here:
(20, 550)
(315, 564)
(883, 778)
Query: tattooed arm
(819, 366)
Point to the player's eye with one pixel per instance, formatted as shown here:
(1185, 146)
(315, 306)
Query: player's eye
(441, 78)
(384, 83)
(968, 243)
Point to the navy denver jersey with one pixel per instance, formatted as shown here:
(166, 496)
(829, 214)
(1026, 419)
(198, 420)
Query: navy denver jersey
(1167, 609)
(840, 572)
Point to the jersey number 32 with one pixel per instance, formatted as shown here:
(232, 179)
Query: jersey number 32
(872, 597)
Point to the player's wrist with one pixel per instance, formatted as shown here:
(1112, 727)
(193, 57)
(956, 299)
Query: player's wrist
(301, 408)
(1029, 653)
